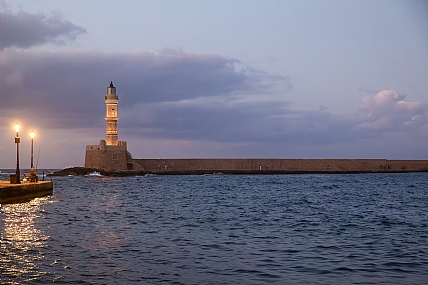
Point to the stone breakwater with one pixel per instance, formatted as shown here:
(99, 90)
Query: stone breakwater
(258, 166)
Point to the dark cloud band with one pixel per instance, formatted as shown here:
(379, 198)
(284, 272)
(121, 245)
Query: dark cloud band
(24, 30)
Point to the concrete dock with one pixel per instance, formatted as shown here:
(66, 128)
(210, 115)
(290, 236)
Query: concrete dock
(24, 192)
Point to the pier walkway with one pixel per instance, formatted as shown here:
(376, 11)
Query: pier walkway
(24, 192)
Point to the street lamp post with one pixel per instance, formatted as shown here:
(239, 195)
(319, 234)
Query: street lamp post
(17, 141)
(32, 134)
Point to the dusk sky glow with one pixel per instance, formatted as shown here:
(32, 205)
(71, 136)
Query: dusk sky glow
(216, 79)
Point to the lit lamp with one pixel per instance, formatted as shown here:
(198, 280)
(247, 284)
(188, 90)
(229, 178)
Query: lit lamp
(17, 141)
(32, 134)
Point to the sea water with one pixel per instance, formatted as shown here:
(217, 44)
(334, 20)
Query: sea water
(221, 229)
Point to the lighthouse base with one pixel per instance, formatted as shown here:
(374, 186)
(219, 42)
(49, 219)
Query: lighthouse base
(109, 157)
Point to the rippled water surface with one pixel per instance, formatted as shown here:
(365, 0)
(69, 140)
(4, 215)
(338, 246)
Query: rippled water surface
(221, 229)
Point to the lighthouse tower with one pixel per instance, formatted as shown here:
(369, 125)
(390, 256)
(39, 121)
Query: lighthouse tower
(111, 154)
(111, 118)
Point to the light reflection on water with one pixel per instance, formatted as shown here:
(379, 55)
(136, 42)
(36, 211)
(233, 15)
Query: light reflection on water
(22, 244)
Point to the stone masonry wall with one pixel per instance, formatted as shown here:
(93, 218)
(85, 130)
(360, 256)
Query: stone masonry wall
(280, 165)
(112, 158)
(117, 158)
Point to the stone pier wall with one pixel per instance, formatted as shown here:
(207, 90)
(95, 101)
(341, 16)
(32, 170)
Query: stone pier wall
(278, 165)
(117, 158)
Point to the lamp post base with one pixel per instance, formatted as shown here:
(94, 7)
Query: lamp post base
(18, 177)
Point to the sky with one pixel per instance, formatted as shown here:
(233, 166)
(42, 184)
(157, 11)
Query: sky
(215, 79)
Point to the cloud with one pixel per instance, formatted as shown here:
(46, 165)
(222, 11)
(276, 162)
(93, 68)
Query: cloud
(387, 111)
(194, 99)
(274, 123)
(66, 88)
(173, 94)
(24, 30)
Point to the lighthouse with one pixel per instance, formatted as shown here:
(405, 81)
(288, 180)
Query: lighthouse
(111, 117)
(111, 154)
